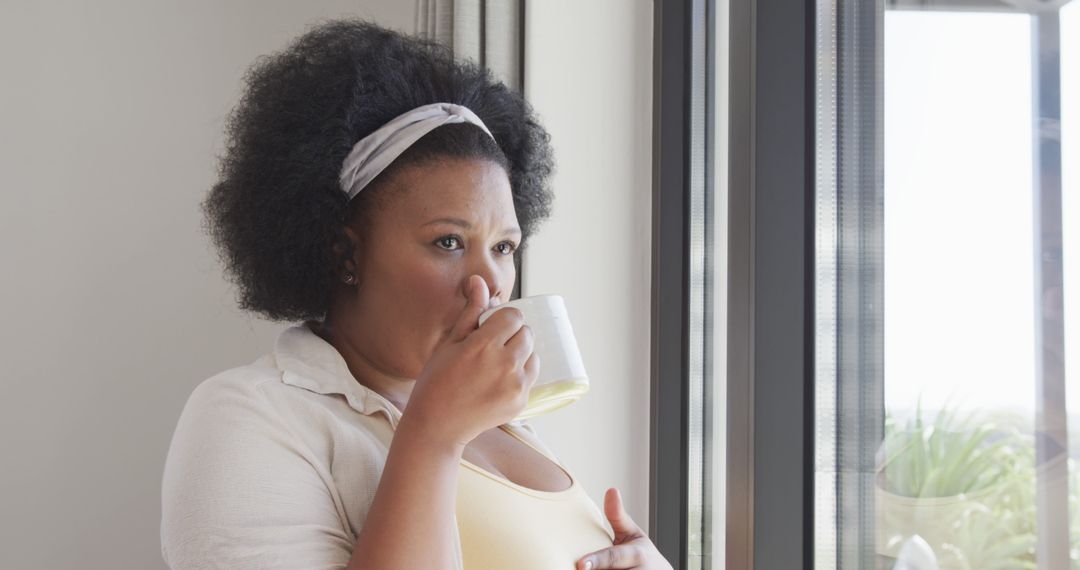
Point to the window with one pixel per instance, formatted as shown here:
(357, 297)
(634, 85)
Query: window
(867, 284)
(946, 285)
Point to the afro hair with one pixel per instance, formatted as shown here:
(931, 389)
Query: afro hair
(277, 212)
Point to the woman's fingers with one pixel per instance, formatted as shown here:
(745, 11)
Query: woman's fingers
(625, 528)
(624, 553)
(476, 299)
(532, 367)
(503, 327)
(620, 556)
(521, 344)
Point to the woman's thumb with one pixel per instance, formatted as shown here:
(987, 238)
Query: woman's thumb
(621, 522)
(476, 301)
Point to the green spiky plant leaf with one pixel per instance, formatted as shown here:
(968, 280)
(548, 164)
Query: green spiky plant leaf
(968, 482)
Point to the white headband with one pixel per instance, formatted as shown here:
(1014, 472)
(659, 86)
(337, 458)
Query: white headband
(373, 153)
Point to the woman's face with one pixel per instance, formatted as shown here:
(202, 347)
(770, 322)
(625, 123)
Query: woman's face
(442, 222)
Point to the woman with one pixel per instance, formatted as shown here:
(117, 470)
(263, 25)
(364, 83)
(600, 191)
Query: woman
(375, 192)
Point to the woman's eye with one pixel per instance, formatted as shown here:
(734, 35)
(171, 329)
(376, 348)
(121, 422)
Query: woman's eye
(443, 242)
(448, 242)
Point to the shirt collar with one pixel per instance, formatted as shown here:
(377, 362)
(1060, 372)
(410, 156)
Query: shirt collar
(309, 362)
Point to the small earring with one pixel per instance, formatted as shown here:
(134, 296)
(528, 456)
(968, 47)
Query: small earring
(349, 278)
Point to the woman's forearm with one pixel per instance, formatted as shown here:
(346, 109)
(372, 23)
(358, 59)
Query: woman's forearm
(410, 524)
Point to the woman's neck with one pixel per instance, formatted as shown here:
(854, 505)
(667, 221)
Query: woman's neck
(396, 389)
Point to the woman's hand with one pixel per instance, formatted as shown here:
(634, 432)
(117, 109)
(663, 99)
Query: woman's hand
(632, 548)
(478, 377)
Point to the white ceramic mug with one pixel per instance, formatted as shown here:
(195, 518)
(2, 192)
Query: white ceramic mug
(561, 379)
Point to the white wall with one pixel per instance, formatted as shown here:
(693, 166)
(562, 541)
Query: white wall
(114, 306)
(588, 73)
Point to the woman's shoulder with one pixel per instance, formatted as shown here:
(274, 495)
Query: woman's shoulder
(257, 400)
(243, 378)
(239, 386)
(245, 418)
(243, 483)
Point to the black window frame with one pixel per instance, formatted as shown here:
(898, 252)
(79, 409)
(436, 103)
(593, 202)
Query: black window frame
(769, 369)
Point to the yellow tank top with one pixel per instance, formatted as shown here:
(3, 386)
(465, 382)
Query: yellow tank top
(505, 525)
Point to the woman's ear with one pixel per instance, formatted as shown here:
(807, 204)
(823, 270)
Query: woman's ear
(354, 240)
(346, 248)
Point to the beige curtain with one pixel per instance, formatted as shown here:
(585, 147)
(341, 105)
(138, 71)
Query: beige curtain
(489, 32)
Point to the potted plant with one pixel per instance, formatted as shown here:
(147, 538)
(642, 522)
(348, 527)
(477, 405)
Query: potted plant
(964, 485)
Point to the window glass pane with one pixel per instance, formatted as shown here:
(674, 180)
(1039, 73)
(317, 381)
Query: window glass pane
(958, 470)
(958, 213)
(971, 461)
(1070, 208)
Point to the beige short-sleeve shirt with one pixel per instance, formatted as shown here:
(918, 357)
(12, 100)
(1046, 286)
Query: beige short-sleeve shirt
(271, 466)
